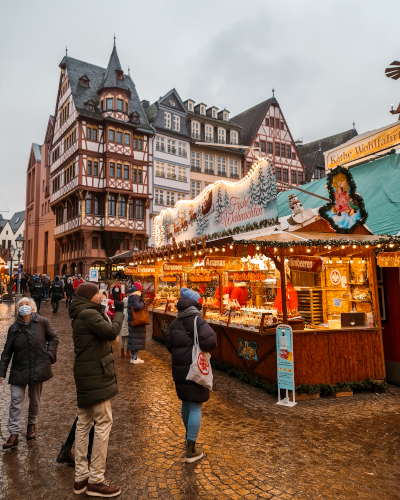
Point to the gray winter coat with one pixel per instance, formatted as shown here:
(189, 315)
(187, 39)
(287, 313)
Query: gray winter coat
(137, 334)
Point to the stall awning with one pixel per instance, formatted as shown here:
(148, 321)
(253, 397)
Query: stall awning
(121, 256)
(378, 182)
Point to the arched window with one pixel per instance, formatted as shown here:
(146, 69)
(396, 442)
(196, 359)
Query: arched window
(111, 204)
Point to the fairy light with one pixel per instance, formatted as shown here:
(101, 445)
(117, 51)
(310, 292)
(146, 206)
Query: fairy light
(340, 261)
(223, 249)
(180, 256)
(308, 250)
(391, 245)
(366, 246)
(363, 261)
(291, 249)
(329, 247)
(351, 261)
(257, 248)
(342, 247)
(354, 246)
(231, 246)
(330, 261)
(379, 246)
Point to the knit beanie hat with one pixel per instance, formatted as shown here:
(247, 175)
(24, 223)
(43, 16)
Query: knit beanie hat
(189, 294)
(138, 286)
(87, 290)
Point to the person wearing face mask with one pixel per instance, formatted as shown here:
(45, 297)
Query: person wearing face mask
(69, 292)
(32, 346)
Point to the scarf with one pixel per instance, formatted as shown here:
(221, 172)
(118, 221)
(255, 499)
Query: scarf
(189, 311)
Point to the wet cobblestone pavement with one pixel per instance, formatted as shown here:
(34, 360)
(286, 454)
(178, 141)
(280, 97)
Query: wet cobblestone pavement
(345, 448)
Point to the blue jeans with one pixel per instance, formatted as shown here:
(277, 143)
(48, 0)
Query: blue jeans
(46, 293)
(191, 416)
(134, 354)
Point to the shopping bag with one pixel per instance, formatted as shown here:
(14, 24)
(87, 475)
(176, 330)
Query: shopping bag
(200, 370)
(140, 317)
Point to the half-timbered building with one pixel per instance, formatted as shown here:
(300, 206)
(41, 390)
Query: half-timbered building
(100, 165)
(265, 130)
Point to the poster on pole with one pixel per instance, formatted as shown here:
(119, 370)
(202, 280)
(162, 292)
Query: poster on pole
(19, 274)
(285, 364)
(93, 274)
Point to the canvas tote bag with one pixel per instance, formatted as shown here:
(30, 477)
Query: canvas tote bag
(140, 317)
(200, 370)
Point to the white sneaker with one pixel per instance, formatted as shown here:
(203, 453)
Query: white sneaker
(136, 361)
(141, 360)
(131, 361)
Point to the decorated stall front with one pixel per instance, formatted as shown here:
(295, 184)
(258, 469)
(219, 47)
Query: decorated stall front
(315, 271)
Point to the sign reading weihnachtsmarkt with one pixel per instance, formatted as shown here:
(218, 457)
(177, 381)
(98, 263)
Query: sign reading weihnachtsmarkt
(221, 206)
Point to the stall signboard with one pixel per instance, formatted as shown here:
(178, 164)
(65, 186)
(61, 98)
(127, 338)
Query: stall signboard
(249, 276)
(307, 264)
(364, 145)
(221, 206)
(214, 263)
(388, 259)
(200, 279)
(93, 274)
(336, 277)
(169, 267)
(142, 270)
(285, 365)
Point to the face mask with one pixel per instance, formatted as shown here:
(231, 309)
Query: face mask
(25, 310)
(116, 289)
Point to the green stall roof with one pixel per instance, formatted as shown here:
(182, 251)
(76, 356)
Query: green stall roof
(378, 182)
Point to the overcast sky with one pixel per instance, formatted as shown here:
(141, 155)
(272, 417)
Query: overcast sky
(325, 59)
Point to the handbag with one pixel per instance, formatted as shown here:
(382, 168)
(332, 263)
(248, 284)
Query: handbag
(140, 317)
(200, 370)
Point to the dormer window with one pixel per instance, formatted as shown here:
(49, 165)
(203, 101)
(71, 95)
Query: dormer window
(135, 117)
(119, 74)
(226, 116)
(214, 113)
(202, 110)
(90, 105)
(190, 106)
(84, 81)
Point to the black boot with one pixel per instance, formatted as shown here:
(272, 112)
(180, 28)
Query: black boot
(65, 456)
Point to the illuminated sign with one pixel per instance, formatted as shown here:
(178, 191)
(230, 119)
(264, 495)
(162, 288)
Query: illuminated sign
(214, 262)
(388, 259)
(249, 276)
(142, 270)
(307, 264)
(172, 268)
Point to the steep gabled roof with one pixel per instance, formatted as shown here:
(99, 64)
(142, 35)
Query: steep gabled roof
(251, 120)
(312, 153)
(110, 76)
(16, 220)
(37, 152)
(156, 118)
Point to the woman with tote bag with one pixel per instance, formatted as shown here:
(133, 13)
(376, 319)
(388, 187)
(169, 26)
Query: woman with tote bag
(180, 342)
(137, 334)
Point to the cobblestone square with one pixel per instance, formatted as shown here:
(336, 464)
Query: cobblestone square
(344, 448)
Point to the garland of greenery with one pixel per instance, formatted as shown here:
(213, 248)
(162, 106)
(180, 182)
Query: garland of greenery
(322, 389)
(243, 229)
(355, 197)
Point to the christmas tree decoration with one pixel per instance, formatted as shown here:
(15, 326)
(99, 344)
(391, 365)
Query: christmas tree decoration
(218, 206)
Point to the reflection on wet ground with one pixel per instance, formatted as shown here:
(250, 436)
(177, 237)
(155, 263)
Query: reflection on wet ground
(330, 448)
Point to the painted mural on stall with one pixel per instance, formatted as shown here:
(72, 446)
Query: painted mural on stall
(222, 205)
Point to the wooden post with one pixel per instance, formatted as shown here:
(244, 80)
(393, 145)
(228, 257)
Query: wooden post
(283, 287)
(221, 308)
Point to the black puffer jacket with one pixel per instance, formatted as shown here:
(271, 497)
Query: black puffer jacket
(179, 341)
(69, 289)
(137, 334)
(57, 290)
(26, 345)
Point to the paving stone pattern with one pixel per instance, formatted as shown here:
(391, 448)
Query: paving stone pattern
(345, 448)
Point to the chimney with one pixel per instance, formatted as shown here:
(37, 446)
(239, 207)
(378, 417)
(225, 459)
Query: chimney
(145, 104)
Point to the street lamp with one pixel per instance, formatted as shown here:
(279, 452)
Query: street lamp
(20, 246)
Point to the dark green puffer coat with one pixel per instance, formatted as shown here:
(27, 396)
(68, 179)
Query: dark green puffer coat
(94, 361)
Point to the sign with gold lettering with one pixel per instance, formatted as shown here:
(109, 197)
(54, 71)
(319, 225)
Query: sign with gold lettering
(214, 262)
(169, 267)
(142, 270)
(249, 276)
(388, 259)
(369, 143)
(305, 263)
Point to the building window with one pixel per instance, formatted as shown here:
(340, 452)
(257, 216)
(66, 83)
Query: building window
(119, 137)
(97, 205)
(127, 139)
(293, 156)
(176, 123)
(221, 136)
(282, 126)
(190, 106)
(121, 206)
(159, 197)
(89, 199)
(233, 169)
(277, 149)
(276, 122)
(88, 133)
(256, 144)
(171, 171)
(119, 171)
(126, 172)
(195, 191)
(125, 245)
(182, 149)
(278, 174)
(160, 145)
(202, 110)
(209, 133)
(195, 161)
(111, 135)
(170, 198)
(283, 149)
(262, 146)
(109, 103)
(182, 174)
(196, 130)
(267, 122)
(234, 137)
(171, 146)
(120, 104)
(285, 175)
(214, 113)
(139, 209)
(288, 152)
(293, 174)
(112, 169)
(180, 196)
(131, 208)
(95, 243)
(300, 177)
(137, 175)
(96, 169)
(221, 165)
(167, 120)
(208, 164)
(111, 204)
(269, 148)
(160, 169)
(89, 167)
(248, 166)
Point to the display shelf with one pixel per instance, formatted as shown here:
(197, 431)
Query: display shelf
(357, 284)
(355, 300)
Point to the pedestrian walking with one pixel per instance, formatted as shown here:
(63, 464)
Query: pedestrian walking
(96, 384)
(179, 342)
(32, 346)
(38, 292)
(69, 292)
(137, 334)
(46, 284)
(31, 282)
(77, 281)
(57, 293)
(24, 282)
(124, 329)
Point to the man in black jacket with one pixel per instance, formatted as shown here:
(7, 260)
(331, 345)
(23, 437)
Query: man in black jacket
(38, 292)
(96, 384)
(57, 293)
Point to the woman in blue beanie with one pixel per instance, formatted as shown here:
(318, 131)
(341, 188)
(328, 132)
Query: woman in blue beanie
(179, 341)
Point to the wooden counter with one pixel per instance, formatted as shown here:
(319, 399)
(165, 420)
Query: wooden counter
(320, 356)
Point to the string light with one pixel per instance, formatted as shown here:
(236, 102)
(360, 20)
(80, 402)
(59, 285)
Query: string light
(329, 247)
(330, 261)
(291, 249)
(180, 256)
(342, 247)
(223, 249)
(366, 246)
(351, 261)
(354, 246)
(231, 246)
(308, 250)
(257, 248)
(340, 261)
(379, 246)
(391, 245)
(363, 261)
